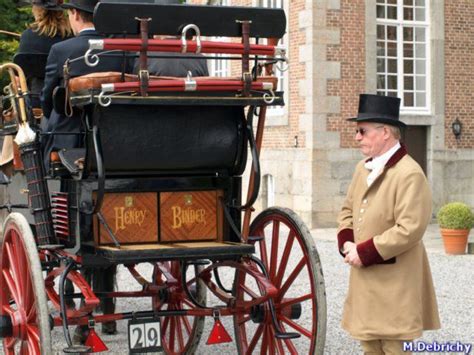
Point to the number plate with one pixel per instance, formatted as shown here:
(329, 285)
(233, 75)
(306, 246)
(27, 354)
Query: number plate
(144, 336)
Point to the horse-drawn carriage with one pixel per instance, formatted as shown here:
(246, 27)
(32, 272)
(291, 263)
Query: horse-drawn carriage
(158, 180)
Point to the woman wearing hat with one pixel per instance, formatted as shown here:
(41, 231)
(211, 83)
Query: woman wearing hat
(391, 296)
(50, 26)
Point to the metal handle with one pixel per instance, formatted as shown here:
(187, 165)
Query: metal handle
(94, 57)
(184, 45)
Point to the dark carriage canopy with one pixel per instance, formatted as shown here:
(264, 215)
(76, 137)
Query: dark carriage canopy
(118, 17)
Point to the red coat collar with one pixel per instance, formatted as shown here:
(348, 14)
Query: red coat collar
(396, 157)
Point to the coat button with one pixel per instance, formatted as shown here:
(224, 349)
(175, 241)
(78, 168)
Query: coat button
(364, 201)
(360, 219)
(358, 229)
(362, 210)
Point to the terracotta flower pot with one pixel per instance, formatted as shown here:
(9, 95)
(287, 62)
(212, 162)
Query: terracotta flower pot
(455, 240)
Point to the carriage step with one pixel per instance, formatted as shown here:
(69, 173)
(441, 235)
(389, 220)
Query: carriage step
(287, 335)
(9, 206)
(77, 349)
(255, 238)
(50, 246)
(201, 262)
(174, 251)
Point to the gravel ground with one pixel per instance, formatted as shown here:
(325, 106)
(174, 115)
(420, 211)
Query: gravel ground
(452, 277)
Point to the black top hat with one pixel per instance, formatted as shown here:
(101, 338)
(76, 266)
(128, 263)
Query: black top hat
(377, 108)
(83, 5)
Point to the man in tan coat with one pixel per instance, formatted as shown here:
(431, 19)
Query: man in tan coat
(391, 297)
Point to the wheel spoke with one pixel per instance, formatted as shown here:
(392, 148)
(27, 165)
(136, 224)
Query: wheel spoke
(33, 344)
(187, 325)
(274, 249)
(279, 343)
(243, 333)
(172, 333)
(249, 291)
(291, 278)
(295, 326)
(255, 339)
(292, 301)
(284, 259)
(289, 343)
(22, 265)
(33, 332)
(10, 343)
(14, 271)
(24, 350)
(189, 303)
(180, 334)
(291, 347)
(244, 320)
(164, 325)
(12, 287)
(28, 297)
(272, 340)
(263, 251)
(265, 339)
(31, 315)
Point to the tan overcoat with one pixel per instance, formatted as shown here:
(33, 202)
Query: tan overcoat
(392, 296)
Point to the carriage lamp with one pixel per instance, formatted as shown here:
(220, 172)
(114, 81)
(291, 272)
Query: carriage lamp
(457, 128)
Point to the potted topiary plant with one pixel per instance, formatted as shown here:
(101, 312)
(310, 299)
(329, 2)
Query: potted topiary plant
(455, 220)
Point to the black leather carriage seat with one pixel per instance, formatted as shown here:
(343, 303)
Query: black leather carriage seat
(164, 139)
(170, 139)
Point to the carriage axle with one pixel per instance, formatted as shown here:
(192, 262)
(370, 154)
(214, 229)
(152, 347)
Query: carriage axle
(258, 312)
(6, 327)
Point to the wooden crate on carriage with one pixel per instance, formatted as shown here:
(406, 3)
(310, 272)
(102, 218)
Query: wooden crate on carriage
(152, 217)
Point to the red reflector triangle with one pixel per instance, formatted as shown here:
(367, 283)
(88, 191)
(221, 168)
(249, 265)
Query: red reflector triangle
(218, 334)
(95, 343)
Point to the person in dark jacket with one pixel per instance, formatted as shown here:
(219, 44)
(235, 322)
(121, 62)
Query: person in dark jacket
(80, 14)
(50, 27)
(178, 67)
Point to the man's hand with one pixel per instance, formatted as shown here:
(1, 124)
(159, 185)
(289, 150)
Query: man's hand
(352, 257)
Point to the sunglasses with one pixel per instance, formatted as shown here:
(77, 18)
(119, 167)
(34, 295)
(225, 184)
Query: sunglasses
(363, 131)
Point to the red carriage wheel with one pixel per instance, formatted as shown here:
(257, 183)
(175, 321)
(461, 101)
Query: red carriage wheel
(285, 246)
(179, 334)
(3, 201)
(22, 295)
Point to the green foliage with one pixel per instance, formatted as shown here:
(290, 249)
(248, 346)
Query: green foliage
(12, 19)
(455, 215)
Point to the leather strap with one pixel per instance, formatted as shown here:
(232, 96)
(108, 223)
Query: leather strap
(143, 73)
(246, 76)
(68, 110)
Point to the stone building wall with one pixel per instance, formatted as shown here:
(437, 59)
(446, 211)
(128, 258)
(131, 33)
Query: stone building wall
(332, 60)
